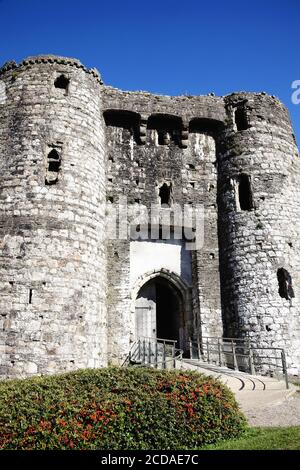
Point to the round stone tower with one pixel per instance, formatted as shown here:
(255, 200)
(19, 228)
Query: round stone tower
(52, 195)
(259, 224)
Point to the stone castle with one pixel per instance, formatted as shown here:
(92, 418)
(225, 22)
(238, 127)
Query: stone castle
(72, 297)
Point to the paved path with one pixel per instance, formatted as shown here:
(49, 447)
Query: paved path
(286, 413)
(264, 400)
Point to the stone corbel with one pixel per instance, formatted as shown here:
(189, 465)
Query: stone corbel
(185, 135)
(143, 129)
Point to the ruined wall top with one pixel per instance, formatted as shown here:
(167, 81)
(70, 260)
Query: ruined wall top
(49, 59)
(210, 107)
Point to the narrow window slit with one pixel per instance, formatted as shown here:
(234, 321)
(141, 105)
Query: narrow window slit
(30, 296)
(240, 119)
(53, 167)
(245, 193)
(165, 194)
(285, 290)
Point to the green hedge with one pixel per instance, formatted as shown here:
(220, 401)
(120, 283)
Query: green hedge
(117, 408)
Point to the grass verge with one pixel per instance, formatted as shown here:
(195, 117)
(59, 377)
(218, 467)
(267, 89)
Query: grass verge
(262, 439)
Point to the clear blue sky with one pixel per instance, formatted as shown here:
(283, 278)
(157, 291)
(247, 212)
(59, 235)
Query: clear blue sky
(166, 46)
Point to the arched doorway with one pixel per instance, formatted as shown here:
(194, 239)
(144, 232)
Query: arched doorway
(160, 311)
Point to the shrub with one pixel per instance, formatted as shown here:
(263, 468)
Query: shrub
(117, 408)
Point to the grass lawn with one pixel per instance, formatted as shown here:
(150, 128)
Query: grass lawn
(263, 439)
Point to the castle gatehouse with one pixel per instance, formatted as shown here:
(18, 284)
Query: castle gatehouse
(82, 277)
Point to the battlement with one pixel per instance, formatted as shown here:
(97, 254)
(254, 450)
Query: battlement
(144, 103)
(49, 59)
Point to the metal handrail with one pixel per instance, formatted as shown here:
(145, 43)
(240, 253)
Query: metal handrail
(252, 356)
(158, 339)
(171, 359)
(147, 351)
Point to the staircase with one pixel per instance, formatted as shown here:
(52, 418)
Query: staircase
(251, 391)
(211, 358)
(240, 355)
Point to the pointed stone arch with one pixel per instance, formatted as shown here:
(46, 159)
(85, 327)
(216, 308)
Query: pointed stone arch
(179, 290)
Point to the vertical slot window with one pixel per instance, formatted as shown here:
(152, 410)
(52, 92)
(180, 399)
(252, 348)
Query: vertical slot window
(53, 167)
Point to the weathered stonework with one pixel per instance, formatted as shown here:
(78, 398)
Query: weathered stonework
(53, 260)
(68, 144)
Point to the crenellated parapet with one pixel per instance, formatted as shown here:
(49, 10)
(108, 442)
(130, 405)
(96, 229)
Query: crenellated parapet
(49, 59)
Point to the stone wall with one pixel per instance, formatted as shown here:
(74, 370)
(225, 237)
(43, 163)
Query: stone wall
(53, 260)
(255, 243)
(69, 145)
(138, 165)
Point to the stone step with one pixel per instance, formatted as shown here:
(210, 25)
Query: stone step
(251, 391)
(236, 380)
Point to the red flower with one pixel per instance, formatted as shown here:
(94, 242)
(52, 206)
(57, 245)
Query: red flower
(62, 422)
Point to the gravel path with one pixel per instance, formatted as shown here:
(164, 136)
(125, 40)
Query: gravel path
(286, 413)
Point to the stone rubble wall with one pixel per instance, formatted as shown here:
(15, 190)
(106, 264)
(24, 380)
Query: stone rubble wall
(66, 298)
(137, 172)
(256, 243)
(53, 258)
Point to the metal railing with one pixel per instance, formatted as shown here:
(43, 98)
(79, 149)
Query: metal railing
(240, 354)
(154, 352)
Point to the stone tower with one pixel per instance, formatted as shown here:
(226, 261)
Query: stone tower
(259, 218)
(71, 148)
(52, 179)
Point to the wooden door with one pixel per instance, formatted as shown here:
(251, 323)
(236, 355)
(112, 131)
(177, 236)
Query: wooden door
(145, 312)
